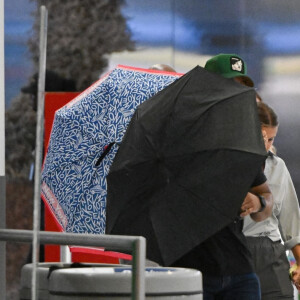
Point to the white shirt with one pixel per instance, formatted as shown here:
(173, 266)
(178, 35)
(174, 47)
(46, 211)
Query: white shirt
(284, 223)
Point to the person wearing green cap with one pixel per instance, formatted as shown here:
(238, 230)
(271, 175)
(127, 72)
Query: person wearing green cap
(224, 259)
(230, 66)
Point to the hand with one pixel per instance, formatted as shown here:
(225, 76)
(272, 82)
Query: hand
(295, 276)
(250, 205)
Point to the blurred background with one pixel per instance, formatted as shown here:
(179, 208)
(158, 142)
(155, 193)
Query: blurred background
(86, 40)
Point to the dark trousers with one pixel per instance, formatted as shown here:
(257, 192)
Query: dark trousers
(236, 287)
(272, 267)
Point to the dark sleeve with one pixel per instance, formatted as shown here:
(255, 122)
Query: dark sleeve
(259, 179)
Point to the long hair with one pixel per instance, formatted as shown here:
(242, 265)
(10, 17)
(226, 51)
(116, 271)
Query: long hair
(267, 116)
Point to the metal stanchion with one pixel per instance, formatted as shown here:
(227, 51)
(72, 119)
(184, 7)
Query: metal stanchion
(39, 147)
(2, 156)
(65, 254)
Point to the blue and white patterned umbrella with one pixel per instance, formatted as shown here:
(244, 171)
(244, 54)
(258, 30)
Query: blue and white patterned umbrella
(91, 125)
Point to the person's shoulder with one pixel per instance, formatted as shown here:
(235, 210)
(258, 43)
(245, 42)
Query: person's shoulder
(275, 160)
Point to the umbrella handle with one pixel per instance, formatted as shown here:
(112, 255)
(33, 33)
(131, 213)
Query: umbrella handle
(105, 152)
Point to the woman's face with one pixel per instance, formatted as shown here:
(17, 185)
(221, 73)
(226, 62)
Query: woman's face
(269, 134)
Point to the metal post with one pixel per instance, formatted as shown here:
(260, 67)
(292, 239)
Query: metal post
(2, 156)
(138, 280)
(65, 254)
(39, 148)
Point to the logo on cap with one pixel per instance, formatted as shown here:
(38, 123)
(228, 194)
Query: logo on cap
(237, 64)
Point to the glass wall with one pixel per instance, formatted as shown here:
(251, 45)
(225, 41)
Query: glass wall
(183, 34)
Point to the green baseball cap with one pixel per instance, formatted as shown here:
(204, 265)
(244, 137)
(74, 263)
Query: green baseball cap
(229, 66)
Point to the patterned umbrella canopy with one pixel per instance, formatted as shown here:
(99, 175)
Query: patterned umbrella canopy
(85, 137)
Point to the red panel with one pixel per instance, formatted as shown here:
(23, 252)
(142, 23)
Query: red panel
(53, 102)
(94, 258)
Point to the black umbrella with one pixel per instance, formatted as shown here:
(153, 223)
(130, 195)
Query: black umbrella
(187, 160)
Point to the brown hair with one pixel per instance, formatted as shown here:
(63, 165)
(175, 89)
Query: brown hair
(267, 116)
